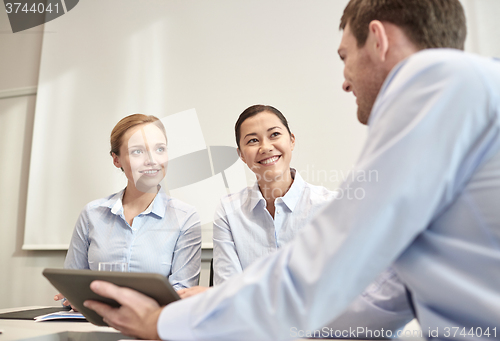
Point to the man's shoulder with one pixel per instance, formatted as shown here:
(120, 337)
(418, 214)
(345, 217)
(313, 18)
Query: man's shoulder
(441, 68)
(443, 62)
(438, 55)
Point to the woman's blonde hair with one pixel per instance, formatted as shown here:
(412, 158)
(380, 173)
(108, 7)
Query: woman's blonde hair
(129, 122)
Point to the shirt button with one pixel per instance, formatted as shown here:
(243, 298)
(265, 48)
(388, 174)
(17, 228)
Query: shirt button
(279, 211)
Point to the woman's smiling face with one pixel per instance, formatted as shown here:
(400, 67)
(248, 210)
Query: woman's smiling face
(266, 146)
(143, 156)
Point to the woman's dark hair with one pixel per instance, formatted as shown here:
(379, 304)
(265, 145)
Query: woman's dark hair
(254, 110)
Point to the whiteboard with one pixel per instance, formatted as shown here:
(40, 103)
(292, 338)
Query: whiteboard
(104, 60)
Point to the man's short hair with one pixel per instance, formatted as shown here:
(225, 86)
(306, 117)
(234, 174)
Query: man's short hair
(427, 23)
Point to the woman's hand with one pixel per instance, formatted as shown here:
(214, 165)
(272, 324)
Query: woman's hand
(65, 302)
(188, 292)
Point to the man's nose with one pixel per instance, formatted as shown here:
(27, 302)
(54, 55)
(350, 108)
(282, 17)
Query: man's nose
(346, 86)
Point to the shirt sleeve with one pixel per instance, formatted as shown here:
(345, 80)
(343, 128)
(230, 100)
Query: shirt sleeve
(414, 153)
(226, 260)
(382, 306)
(186, 263)
(78, 251)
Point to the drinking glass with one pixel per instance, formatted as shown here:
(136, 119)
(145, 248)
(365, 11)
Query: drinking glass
(113, 266)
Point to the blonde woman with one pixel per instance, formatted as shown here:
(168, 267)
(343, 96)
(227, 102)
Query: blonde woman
(140, 225)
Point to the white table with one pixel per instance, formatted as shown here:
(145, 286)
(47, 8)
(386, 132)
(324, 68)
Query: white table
(53, 331)
(81, 331)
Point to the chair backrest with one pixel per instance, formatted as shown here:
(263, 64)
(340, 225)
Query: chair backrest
(211, 281)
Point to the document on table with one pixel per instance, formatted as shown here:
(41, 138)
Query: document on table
(61, 315)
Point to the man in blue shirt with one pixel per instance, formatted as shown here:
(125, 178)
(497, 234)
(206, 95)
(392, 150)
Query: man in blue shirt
(434, 140)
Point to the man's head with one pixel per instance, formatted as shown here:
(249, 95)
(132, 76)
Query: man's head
(427, 23)
(378, 34)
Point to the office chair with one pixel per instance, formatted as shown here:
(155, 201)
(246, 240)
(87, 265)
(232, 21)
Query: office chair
(211, 281)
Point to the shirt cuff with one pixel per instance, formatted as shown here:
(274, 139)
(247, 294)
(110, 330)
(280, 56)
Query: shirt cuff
(173, 323)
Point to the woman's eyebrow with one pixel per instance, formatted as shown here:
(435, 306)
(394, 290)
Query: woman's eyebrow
(254, 134)
(135, 146)
(250, 134)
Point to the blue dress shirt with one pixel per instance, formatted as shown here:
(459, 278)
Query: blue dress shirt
(434, 140)
(164, 239)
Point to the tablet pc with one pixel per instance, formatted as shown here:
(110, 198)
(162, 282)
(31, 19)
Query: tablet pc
(75, 286)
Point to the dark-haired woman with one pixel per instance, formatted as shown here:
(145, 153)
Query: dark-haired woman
(259, 220)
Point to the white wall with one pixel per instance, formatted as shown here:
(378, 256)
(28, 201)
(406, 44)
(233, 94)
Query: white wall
(21, 282)
(20, 271)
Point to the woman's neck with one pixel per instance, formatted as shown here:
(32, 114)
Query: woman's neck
(135, 202)
(275, 189)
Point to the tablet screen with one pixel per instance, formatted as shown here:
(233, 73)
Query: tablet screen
(75, 286)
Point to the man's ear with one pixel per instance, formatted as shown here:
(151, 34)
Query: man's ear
(377, 41)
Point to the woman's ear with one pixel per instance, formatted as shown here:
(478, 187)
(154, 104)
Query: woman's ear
(240, 155)
(292, 139)
(116, 160)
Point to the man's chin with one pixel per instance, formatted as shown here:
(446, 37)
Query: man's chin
(363, 116)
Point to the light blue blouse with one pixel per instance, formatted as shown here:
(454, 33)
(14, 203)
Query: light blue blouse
(244, 230)
(164, 239)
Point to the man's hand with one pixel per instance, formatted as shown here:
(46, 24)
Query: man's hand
(184, 293)
(137, 316)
